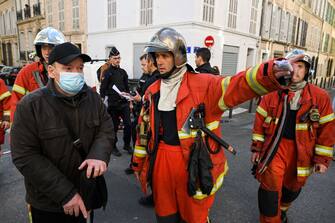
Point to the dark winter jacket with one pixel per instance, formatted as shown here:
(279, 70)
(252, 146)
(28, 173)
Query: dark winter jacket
(118, 77)
(42, 147)
(206, 68)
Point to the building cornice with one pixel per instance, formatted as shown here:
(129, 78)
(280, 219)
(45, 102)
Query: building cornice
(33, 19)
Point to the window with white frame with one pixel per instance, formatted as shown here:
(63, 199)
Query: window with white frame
(111, 14)
(61, 14)
(75, 14)
(49, 12)
(232, 14)
(253, 16)
(266, 23)
(146, 12)
(208, 11)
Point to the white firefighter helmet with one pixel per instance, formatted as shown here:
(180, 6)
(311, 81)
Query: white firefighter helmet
(306, 59)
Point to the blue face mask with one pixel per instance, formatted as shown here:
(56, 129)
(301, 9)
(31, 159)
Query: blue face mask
(71, 82)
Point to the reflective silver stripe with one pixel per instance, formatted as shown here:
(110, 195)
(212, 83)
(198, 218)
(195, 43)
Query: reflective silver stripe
(324, 150)
(251, 77)
(327, 118)
(210, 126)
(301, 126)
(261, 111)
(304, 171)
(258, 137)
(219, 181)
(140, 151)
(224, 83)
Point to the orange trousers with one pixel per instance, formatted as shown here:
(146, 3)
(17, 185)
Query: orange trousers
(279, 185)
(172, 202)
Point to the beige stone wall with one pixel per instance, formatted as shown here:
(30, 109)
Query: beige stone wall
(29, 25)
(314, 38)
(75, 36)
(8, 37)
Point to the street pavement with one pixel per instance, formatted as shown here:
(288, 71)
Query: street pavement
(236, 202)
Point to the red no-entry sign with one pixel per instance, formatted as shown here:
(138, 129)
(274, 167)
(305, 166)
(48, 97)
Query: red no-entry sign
(209, 41)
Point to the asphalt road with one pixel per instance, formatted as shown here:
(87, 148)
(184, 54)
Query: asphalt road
(236, 202)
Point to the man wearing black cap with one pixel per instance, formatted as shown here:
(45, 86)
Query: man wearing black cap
(61, 142)
(118, 106)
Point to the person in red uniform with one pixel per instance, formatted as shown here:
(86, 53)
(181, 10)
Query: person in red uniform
(161, 159)
(4, 112)
(35, 75)
(293, 137)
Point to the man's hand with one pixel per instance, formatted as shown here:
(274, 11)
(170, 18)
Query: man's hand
(284, 68)
(98, 167)
(5, 125)
(255, 157)
(75, 206)
(137, 97)
(320, 168)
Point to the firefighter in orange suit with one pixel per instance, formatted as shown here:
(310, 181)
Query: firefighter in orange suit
(293, 136)
(4, 111)
(162, 149)
(35, 75)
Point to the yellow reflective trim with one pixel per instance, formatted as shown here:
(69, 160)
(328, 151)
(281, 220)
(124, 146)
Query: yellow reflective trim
(301, 126)
(140, 151)
(193, 134)
(327, 118)
(219, 181)
(224, 83)
(261, 111)
(4, 95)
(251, 77)
(268, 119)
(304, 171)
(324, 150)
(19, 89)
(6, 113)
(258, 137)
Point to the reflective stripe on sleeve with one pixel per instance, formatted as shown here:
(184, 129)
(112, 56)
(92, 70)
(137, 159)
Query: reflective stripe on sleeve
(327, 118)
(261, 111)
(19, 89)
(224, 83)
(324, 150)
(251, 77)
(304, 171)
(4, 95)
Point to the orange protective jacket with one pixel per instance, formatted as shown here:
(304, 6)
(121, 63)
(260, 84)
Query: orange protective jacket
(28, 80)
(218, 93)
(314, 140)
(5, 104)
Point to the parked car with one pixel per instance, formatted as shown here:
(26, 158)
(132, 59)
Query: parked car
(8, 74)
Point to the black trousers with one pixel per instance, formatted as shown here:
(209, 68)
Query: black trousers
(117, 112)
(39, 216)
